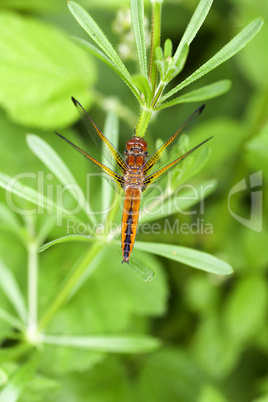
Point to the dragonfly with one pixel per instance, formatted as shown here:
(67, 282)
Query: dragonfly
(136, 172)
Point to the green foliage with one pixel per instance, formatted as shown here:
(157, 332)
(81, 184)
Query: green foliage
(161, 60)
(54, 73)
(75, 324)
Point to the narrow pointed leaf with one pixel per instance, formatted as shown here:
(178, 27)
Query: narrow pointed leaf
(228, 51)
(194, 25)
(143, 85)
(56, 165)
(101, 56)
(193, 258)
(199, 95)
(12, 291)
(179, 65)
(65, 239)
(13, 186)
(167, 48)
(137, 19)
(115, 344)
(94, 31)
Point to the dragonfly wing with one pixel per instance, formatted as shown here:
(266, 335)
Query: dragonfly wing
(165, 152)
(116, 180)
(105, 146)
(157, 176)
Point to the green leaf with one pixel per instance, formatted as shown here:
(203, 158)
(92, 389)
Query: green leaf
(143, 85)
(12, 185)
(137, 20)
(114, 344)
(247, 304)
(193, 258)
(194, 25)
(12, 391)
(94, 31)
(30, 67)
(12, 291)
(178, 64)
(167, 48)
(199, 95)
(56, 165)
(101, 56)
(64, 239)
(229, 50)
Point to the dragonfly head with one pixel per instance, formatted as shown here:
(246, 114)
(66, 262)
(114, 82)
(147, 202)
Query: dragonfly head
(136, 145)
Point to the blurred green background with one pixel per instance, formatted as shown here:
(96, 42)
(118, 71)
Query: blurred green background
(214, 329)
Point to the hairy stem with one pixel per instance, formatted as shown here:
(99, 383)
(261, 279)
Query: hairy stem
(143, 122)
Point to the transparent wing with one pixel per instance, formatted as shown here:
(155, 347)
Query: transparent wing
(115, 180)
(166, 151)
(105, 146)
(156, 177)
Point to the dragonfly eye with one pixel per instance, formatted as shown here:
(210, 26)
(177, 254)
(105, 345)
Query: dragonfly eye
(146, 153)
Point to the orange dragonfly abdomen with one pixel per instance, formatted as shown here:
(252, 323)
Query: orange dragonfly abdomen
(130, 220)
(134, 178)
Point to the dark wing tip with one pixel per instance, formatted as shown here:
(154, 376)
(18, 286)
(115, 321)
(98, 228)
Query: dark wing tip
(75, 102)
(61, 136)
(201, 108)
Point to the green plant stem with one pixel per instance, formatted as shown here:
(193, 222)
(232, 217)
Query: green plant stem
(143, 122)
(155, 40)
(32, 286)
(68, 285)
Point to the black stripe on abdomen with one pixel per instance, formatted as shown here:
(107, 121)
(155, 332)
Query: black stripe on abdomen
(128, 233)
